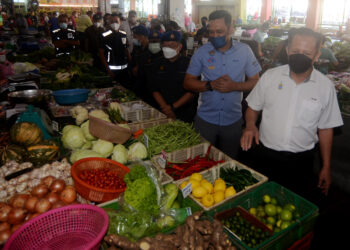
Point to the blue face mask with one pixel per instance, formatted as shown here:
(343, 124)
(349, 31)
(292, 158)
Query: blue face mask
(63, 25)
(136, 42)
(218, 42)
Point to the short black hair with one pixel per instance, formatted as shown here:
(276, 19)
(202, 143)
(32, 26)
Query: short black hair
(204, 18)
(89, 13)
(132, 12)
(304, 32)
(218, 14)
(172, 25)
(96, 17)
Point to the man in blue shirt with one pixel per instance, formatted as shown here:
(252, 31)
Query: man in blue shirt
(223, 65)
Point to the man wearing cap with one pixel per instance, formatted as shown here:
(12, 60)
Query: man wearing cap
(113, 51)
(138, 54)
(167, 80)
(64, 39)
(222, 65)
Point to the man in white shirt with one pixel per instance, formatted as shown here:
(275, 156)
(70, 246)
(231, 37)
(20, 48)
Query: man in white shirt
(299, 107)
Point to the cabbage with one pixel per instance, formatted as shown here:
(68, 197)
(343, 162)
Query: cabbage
(73, 138)
(124, 125)
(66, 128)
(120, 154)
(98, 113)
(83, 153)
(87, 145)
(137, 151)
(85, 128)
(105, 148)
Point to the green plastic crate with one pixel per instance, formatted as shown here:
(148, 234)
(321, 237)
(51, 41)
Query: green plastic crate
(285, 238)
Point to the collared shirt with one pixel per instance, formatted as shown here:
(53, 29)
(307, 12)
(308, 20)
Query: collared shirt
(292, 112)
(64, 34)
(222, 109)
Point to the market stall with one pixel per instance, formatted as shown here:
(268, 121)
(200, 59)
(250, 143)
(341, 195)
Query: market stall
(78, 149)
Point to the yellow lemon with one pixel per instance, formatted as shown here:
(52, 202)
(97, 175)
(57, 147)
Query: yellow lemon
(207, 185)
(230, 191)
(199, 192)
(184, 184)
(196, 176)
(195, 183)
(219, 196)
(219, 180)
(219, 186)
(208, 200)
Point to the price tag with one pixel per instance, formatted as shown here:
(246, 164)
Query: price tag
(186, 191)
(162, 160)
(11, 88)
(55, 126)
(145, 137)
(189, 211)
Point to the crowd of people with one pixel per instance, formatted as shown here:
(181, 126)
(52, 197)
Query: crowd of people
(298, 104)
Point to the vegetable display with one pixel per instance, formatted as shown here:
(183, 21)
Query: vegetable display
(12, 152)
(26, 133)
(170, 137)
(122, 95)
(239, 178)
(194, 234)
(190, 166)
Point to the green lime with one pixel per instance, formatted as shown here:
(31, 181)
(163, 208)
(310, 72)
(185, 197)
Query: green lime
(276, 230)
(260, 208)
(286, 215)
(270, 209)
(279, 222)
(270, 226)
(289, 207)
(285, 224)
(274, 201)
(279, 209)
(261, 214)
(271, 220)
(252, 211)
(267, 198)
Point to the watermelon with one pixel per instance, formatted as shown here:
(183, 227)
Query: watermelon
(26, 133)
(42, 152)
(12, 152)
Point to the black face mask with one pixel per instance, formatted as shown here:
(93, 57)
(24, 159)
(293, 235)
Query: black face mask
(299, 63)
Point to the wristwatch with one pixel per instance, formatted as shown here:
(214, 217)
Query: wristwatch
(208, 86)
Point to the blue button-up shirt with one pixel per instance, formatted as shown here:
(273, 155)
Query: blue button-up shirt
(222, 109)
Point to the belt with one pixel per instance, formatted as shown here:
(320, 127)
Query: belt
(118, 67)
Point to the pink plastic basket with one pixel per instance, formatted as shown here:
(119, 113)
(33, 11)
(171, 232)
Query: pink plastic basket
(70, 227)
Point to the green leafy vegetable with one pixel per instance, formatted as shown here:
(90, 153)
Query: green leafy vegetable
(238, 178)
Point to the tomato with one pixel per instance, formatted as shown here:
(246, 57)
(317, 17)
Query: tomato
(102, 178)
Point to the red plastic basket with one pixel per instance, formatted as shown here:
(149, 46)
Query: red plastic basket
(70, 227)
(93, 193)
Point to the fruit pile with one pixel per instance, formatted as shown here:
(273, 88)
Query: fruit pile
(207, 193)
(276, 216)
(250, 234)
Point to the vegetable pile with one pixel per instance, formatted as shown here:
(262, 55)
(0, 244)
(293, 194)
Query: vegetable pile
(239, 178)
(102, 178)
(122, 95)
(170, 137)
(50, 193)
(195, 234)
(190, 166)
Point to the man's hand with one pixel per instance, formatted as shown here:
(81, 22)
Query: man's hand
(248, 136)
(168, 111)
(324, 180)
(224, 84)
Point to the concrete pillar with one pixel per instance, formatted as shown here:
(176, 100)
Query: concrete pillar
(132, 4)
(313, 16)
(266, 10)
(177, 11)
(105, 6)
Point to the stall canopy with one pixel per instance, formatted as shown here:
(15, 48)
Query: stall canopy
(69, 3)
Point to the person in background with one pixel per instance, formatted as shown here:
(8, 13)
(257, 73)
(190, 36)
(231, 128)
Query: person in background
(107, 18)
(173, 26)
(90, 14)
(125, 26)
(83, 22)
(203, 31)
(113, 52)
(326, 59)
(157, 25)
(93, 34)
(70, 23)
(260, 35)
(299, 108)
(29, 21)
(132, 19)
(74, 19)
(279, 55)
(223, 64)
(53, 22)
(64, 39)
(167, 79)
(139, 54)
(21, 24)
